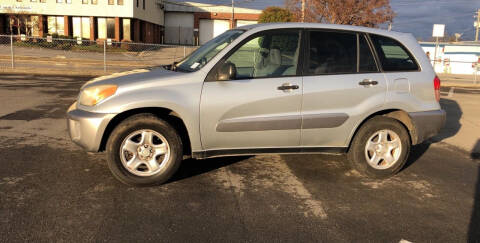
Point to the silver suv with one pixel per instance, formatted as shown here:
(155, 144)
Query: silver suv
(269, 88)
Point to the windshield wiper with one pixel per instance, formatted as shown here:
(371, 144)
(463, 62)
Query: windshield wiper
(183, 70)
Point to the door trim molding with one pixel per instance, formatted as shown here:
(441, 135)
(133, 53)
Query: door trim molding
(310, 121)
(244, 124)
(323, 120)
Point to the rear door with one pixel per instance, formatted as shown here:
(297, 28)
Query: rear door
(342, 83)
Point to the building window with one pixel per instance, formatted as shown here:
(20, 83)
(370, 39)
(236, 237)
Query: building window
(111, 2)
(126, 29)
(21, 1)
(137, 2)
(102, 28)
(81, 27)
(143, 4)
(43, 1)
(94, 2)
(84, 1)
(85, 27)
(59, 1)
(119, 2)
(68, 1)
(111, 28)
(33, 26)
(106, 28)
(33, 1)
(56, 25)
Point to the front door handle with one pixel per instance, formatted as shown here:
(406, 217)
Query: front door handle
(288, 86)
(368, 82)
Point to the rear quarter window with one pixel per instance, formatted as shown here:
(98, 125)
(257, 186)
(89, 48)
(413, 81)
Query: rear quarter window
(394, 57)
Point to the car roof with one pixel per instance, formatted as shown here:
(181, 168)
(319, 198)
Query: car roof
(268, 26)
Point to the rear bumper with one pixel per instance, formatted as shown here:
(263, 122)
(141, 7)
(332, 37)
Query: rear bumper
(427, 124)
(86, 128)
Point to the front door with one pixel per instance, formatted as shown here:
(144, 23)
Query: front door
(342, 85)
(260, 106)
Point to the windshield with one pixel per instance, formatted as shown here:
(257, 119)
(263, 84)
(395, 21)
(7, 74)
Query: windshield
(205, 53)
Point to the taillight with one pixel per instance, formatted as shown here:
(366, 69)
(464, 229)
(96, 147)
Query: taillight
(436, 87)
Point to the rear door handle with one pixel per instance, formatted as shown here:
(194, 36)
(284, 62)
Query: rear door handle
(288, 86)
(368, 82)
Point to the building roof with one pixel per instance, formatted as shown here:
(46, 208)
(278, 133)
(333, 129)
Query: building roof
(205, 7)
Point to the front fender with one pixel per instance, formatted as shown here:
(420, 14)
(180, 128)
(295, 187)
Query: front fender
(183, 101)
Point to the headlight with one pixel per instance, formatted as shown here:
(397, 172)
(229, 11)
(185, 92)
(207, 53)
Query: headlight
(93, 95)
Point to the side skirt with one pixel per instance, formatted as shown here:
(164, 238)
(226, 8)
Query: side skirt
(240, 152)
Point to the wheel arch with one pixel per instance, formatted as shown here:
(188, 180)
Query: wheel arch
(397, 114)
(170, 116)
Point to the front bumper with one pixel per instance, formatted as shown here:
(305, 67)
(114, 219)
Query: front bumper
(427, 124)
(86, 128)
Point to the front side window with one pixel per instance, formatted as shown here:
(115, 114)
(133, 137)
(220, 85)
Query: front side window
(271, 54)
(331, 53)
(207, 51)
(394, 57)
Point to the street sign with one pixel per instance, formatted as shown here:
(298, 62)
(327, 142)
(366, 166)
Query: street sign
(49, 38)
(23, 37)
(79, 40)
(109, 41)
(438, 30)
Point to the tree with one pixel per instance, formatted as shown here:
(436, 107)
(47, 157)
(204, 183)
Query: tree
(275, 14)
(370, 13)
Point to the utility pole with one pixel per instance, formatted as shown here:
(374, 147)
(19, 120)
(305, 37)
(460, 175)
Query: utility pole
(303, 10)
(477, 26)
(233, 14)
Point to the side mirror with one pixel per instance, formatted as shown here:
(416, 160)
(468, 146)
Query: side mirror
(227, 71)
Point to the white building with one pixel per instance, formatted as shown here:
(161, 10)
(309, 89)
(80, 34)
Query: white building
(150, 21)
(196, 23)
(454, 58)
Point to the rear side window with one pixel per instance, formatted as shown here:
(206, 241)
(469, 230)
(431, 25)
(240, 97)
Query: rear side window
(331, 53)
(366, 61)
(393, 55)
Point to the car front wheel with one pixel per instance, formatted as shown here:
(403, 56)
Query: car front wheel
(144, 150)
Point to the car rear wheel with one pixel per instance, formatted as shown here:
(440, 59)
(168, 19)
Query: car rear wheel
(144, 150)
(380, 148)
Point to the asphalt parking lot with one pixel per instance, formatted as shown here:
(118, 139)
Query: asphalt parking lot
(50, 190)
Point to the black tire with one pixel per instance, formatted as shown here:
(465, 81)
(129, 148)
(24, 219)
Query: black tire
(356, 154)
(129, 126)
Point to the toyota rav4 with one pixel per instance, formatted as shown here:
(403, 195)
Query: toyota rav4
(267, 88)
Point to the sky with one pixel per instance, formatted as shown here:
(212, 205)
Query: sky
(414, 16)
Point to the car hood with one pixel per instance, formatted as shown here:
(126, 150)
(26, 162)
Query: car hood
(134, 77)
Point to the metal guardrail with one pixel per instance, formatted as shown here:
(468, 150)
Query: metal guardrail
(84, 55)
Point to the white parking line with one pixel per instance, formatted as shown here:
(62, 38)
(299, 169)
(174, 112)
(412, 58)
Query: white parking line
(451, 91)
(271, 172)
